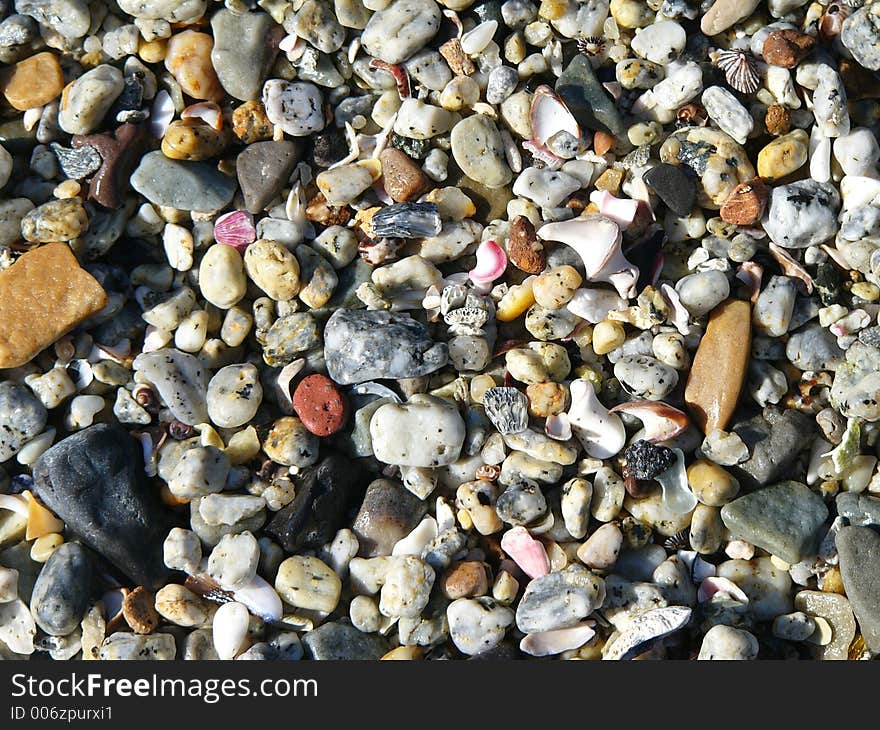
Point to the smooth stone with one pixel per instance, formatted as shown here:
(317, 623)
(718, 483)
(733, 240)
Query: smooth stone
(784, 519)
(700, 293)
(719, 367)
(767, 586)
(783, 156)
(181, 380)
(425, 431)
(836, 610)
(182, 185)
(860, 34)
(387, 515)
(859, 551)
(85, 101)
(397, 31)
(479, 151)
(587, 99)
(673, 186)
(234, 395)
(122, 646)
(861, 510)
(244, 47)
(263, 169)
(477, 625)
(726, 111)
(94, 481)
(725, 643)
(62, 591)
(802, 214)
(725, 13)
(173, 11)
(559, 600)
(814, 348)
(661, 42)
(774, 440)
(338, 641)
(774, 307)
(857, 152)
(296, 107)
(645, 377)
(365, 345)
(22, 417)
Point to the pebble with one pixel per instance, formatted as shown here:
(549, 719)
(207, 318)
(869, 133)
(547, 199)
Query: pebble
(745, 205)
(859, 35)
(586, 98)
(662, 42)
(244, 48)
(703, 291)
(296, 107)
(787, 47)
(61, 594)
(319, 405)
(181, 381)
(85, 101)
(477, 625)
(273, 268)
(188, 59)
(425, 431)
(645, 377)
(34, 82)
(128, 647)
(774, 439)
(22, 417)
(222, 279)
(814, 348)
(182, 185)
(200, 470)
(559, 600)
(726, 643)
(673, 186)
(307, 582)
(836, 610)
(366, 345)
(783, 156)
(289, 443)
(802, 214)
(95, 477)
(725, 13)
(858, 549)
(406, 587)
(774, 307)
(402, 178)
(479, 150)
(397, 31)
(234, 395)
(335, 641)
(234, 559)
(387, 514)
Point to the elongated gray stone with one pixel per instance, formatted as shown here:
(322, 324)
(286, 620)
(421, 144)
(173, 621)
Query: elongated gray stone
(244, 47)
(859, 552)
(785, 519)
(182, 185)
(61, 593)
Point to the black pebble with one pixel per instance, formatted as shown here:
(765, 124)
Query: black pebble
(673, 186)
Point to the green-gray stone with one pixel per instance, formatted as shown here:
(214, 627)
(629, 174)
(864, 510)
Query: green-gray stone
(784, 519)
(859, 552)
(182, 185)
(586, 98)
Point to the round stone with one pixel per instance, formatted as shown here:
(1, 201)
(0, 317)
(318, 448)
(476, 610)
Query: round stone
(319, 405)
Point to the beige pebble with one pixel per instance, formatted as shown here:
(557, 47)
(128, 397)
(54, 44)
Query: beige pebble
(273, 268)
(556, 286)
(188, 58)
(309, 583)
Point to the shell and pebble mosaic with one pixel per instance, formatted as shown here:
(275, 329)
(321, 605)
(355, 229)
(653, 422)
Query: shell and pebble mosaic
(439, 329)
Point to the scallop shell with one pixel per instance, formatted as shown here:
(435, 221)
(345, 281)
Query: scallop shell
(235, 229)
(739, 70)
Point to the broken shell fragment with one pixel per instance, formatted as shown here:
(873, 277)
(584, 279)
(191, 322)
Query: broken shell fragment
(600, 431)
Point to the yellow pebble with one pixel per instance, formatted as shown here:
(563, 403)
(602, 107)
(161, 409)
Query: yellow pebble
(505, 588)
(516, 301)
(464, 519)
(712, 484)
(40, 520)
(556, 286)
(209, 437)
(832, 582)
(153, 51)
(479, 385)
(779, 563)
(553, 9)
(607, 336)
(243, 446)
(403, 653)
(866, 290)
(67, 189)
(823, 632)
(44, 546)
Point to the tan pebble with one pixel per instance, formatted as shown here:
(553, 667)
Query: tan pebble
(777, 120)
(44, 546)
(515, 301)
(189, 61)
(40, 520)
(609, 180)
(404, 653)
(719, 366)
(547, 399)
(192, 139)
(273, 268)
(832, 581)
(479, 385)
(153, 51)
(306, 582)
(402, 178)
(602, 142)
(712, 484)
(138, 608)
(783, 155)
(250, 123)
(505, 588)
(466, 579)
(67, 189)
(34, 82)
(608, 335)
(556, 286)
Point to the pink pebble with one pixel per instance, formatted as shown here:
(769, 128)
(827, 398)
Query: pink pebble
(527, 552)
(491, 263)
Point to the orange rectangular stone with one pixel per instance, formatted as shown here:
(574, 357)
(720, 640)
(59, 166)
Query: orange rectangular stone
(720, 365)
(43, 295)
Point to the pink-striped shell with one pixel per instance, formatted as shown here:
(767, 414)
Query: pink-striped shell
(235, 229)
(491, 263)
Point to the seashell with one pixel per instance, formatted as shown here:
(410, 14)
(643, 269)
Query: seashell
(539, 152)
(591, 45)
(593, 305)
(750, 274)
(660, 422)
(476, 39)
(621, 210)
(678, 541)
(529, 554)
(207, 111)
(293, 46)
(31, 117)
(230, 628)
(740, 70)
(680, 314)
(547, 643)
(601, 432)
(548, 115)
(41, 521)
(558, 427)
(633, 160)
(112, 602)
(677, 494)
(721, 587)
(841, 261)
(377, 389)
(645, 629)
(491, 263)
(401, 77)
(14, 503)
(831, 22)
(598, 240)
(407, 220)
(456, 21)
(235, 229)
(792, 268)
(507, 409)
(161, 114)
(417, 540)
(261, 599)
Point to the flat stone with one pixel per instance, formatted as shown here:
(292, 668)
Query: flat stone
(426, 431)
(245, 45)
(397, 31)
(337, 641)
(720, 365)
(364, 345)
(559, 600)
(43, 295)
(859, 552)
(774, 440)
(263, 169)
(673, 187)
(94, 481)
(182, 185)
(785, 519)
(62, 591)
(587, 99)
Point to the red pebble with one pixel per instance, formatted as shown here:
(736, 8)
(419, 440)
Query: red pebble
(319, 405)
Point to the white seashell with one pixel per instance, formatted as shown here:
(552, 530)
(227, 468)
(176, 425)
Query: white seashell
(418, 539)
(601, 433)
(32, 117)
(597, 239)
(546, 643)
(549, 115)
(677, 494)
(478, 38)
(14, 503)
(287, 374)
(207, 111)
(722, 587)
(593, 305)
(645, 628)
(660, 422)
(31, 451)
(161, 114)
(261, 599)
(17, 627)
(558, 427)
(230, 628)
(377, 389)
(680, 314)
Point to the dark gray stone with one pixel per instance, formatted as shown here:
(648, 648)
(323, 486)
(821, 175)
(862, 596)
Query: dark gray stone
(673, 186)
(586, 98)
(94, 481)
(364, 345)
(183, 185)
(388, 513)
(859, 552)
(336, 641)
(263, 168)
(61, 593)
(860, 509)
(774, 439)
(784, 519)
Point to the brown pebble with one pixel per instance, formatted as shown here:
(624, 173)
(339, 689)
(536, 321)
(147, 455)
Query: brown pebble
(250, 123)
(139, 611)
(787, 48)
(192, 139)
(692, 115)
(526, 252)
(720, 365)
(120, 152)
(319, 405)
(467, 579)
(602, 142)
(34, 82)
(458, 60)
(318, 211)
(43, 295)
(777, 120)
(745, 205)
(402, 177)
(610, 180)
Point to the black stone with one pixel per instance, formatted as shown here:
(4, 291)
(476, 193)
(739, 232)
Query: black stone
(328, 147)
(264, 168)
(673, 186)
(336, 641)
(645, 460)
(61, 593)
(319, 507)
(94, 480)
(827, 282)
(407, 220)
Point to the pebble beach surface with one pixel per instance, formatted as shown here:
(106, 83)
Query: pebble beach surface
(439, 329)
